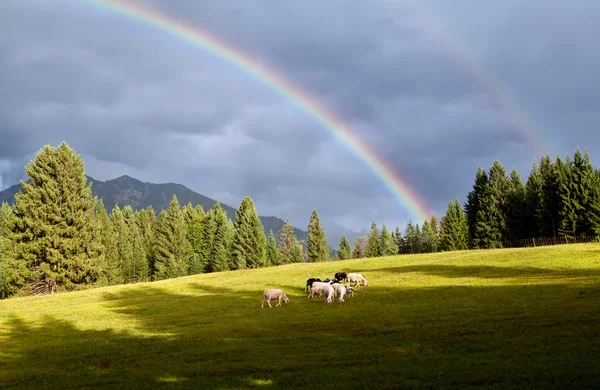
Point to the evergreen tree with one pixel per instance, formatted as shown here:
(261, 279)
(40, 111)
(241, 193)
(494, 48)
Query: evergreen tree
(430, 239)
(172, 249)
(372, 248)
(409, 243)
(594, 206)
(108, 238)
(589, 218)
(249, 244)
(122, 266)
(317, 248)
(272, 252)
(532, 224)
(3, 282)
(147, 224)
(52, 228)
(435, 227)
(516, 207)
(195, 237)
(358, 251)
(473, 205)
(400, 241)
(218, 234)
(568, 200)
(454, 228)
(418, 240)
(139, 269)
(387, 244)
(288, 244)
(548, 208)
(492, 228)
(345, 250)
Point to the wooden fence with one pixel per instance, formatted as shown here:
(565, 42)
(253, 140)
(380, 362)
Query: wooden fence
(546, 241)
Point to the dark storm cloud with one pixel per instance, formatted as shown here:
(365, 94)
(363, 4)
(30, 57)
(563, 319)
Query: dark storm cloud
(135, 100)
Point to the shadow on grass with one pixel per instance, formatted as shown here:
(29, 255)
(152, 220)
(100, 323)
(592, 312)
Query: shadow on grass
(487, 272)
(215, 337)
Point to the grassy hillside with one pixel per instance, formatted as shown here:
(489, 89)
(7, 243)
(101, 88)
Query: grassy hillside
(504, 318)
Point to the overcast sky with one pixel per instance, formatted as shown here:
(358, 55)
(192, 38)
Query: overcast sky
(436, 87)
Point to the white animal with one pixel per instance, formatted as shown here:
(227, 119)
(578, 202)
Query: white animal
(357, 278)
(329, 294)
(273, 294)
(349, 291)
(340, 291)
(317, 288)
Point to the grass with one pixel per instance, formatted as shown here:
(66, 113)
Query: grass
(517, 318)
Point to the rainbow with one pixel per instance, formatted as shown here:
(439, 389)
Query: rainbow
(498, 97)
(328, 120)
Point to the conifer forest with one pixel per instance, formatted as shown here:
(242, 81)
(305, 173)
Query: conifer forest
(58, 237)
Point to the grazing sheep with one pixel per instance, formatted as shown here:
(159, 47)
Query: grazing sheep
(349, 291)
(331, 280)
(357, 278)
(329, 293)
(309, 283)
(340, 291)
(273, 294)
(341, 276)
(317, 287)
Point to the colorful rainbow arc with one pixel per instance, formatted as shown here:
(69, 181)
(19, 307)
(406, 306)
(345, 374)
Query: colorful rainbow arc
(202, 39)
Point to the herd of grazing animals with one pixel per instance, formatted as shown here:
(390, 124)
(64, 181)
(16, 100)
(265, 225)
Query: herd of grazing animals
(330, 289)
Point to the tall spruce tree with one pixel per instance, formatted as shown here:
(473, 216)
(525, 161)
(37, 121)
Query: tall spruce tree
(492, 228)
(473, 205)
(372, 247)
(249, 244)
(13, 272)
(409, 243)
(532, 225)
(317, 248)
(515, 207)
(147, 224)
(548, 216)
(568, 205)
(3, 282)
(430, 241)
(358, 249)
(288, 244)
(52, 228)
(110, 270)
(123, 244)
(172, 250)
(139, 270)
(195, 236)
(594, 206)
(589, 217)
(345, 250)
(387, 244)
(272, 252)
(454, 228)
(217, 234)
(400, 241)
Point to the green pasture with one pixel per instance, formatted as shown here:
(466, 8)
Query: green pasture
(512, 318)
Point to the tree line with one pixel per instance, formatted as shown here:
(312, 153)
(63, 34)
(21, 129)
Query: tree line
(559, 199)
(58, 237)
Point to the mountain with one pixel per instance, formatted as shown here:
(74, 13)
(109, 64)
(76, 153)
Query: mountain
(126, 190)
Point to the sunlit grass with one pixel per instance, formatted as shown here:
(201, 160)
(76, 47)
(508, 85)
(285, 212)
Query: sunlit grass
(503, 318)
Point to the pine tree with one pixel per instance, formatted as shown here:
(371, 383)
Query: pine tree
(358, 251)
(400, 241)
(418, 240)
(147, 224)
(387, 244)
(409, 242)
(249, 244)
(345, 250)
(372, 247)
(172, 249)
(473, 205)
(532, 224)
(288, 244)
(492, 229)
(430, 239)
(589, 218)
(108, 238)
(454, 228)
(139, 264)
(3, 282)
(272, 252)
(594, 206)
(516, 207)
(121, 268)
(52, 229)
(568, 200)
(317, 248)
(435, 227)
(217, 231)
(548, 209)
(195, 237)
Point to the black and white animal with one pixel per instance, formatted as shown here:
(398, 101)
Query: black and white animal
(309, 283)
(331, 280)
(341, 276)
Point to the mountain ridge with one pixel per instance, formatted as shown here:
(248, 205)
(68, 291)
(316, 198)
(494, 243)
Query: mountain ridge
(126, 190)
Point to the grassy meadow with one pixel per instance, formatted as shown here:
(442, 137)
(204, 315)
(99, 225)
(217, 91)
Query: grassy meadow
(526, 318)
